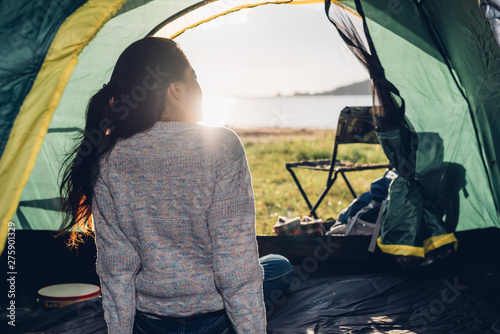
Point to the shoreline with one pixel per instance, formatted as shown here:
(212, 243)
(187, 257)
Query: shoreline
(279, 133)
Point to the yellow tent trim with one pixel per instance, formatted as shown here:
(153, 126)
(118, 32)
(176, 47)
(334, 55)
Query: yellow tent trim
(401, 249)
(307, 2)
(31, 125)
(440, 240)
(348, 9)
(237, 8)
(429, 245)
(234, 9)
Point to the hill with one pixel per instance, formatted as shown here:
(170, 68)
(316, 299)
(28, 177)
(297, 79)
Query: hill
(358, 88)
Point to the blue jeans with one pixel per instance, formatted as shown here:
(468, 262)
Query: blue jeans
(278, 273)
(277, 276)
(211, 323)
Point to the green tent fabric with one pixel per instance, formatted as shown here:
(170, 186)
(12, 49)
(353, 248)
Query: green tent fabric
(25, 36)
(93, 70)
(441, 97)
(442, 57)
(412, 219)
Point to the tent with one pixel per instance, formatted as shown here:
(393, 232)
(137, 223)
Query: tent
(56, 54)
(434, 180)
(440, 54)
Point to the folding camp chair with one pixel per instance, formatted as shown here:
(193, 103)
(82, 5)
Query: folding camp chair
(355, 126)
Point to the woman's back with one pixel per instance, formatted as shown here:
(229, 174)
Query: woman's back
(174, 212)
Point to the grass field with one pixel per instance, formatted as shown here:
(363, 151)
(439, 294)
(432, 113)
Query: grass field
(275, 192)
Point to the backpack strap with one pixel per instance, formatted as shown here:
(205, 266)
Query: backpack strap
(376, 230)
(351, 221)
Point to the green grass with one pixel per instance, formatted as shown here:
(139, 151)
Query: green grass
(274, 189)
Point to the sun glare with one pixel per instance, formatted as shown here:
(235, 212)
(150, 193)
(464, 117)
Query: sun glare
(216, 109)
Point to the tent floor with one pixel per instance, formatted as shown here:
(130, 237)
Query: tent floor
(338, 287)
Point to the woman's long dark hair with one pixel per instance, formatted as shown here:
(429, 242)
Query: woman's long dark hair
(132, 102)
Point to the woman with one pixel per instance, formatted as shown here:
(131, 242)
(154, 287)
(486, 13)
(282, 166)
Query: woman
(172, 203)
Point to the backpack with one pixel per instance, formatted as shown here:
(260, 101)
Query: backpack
(363, 214)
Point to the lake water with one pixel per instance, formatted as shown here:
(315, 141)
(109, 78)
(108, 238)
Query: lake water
(320, 112)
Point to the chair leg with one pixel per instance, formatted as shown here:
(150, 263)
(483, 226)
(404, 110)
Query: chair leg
(297, 182)
(349, 185)
(322, 196)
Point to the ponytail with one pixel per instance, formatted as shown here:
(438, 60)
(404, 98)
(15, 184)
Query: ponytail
(81, 167)
(108, 119)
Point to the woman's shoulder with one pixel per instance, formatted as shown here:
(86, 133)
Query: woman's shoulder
(224, 142)
(219, 134)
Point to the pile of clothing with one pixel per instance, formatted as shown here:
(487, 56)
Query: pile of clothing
(363, 214)
(299, 226)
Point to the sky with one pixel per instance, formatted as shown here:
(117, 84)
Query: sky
(268, 50)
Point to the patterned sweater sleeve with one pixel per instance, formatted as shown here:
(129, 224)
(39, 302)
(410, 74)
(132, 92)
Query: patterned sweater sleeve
(231, 220)
(117, 264)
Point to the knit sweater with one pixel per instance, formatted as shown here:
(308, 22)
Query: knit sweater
(174, 217)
